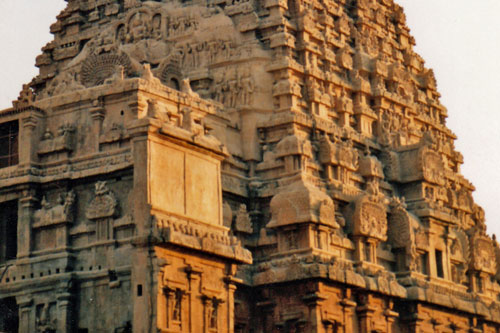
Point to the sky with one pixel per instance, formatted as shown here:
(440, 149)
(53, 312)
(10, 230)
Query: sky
(459, 39)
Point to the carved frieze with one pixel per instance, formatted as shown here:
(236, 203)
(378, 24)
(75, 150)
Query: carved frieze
(243, 222)
(233, 88)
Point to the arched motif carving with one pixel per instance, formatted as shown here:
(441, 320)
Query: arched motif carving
(170, 73)
(99, 67)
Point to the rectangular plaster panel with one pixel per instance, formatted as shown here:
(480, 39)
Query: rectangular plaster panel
(202, 189)
(166, 179)
(184, 184)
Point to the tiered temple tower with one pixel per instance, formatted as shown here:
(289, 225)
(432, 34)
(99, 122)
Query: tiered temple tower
(237, 166)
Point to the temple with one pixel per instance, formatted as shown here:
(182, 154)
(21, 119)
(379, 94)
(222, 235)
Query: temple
(247, 166)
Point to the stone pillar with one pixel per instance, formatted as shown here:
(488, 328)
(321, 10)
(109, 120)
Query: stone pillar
(206, 306)
(266, 309)
(64, 312)
(314, 301)
(231, 282)
(344, 119)
(365, 314)
(139, 130)
(360, 248)
(26, 318)
(249, 134)
(143, 289)
(390, 316)
(372, 250)
(28, 137)
(194, 282)
(97, 113)
(414, 319)
(348, 306)
(139, 108)
(26, 210)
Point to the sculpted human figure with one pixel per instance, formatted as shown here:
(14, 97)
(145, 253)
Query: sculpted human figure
(213, 50)
(157, 27)
(189, 60)
(121, 34)
(138, 27)
(247, 84)
(233, 89)
(199, 49)
(344, 103)
(217, 88)
(170, 26)
(225, 47)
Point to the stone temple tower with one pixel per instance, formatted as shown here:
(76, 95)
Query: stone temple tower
(237, 166)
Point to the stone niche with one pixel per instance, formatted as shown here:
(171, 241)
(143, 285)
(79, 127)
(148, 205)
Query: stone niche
(181, 181)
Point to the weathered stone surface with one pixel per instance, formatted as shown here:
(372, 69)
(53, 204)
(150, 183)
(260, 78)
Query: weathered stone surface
(245, 166)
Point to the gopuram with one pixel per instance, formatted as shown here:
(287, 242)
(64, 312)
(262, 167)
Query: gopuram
(248, 166)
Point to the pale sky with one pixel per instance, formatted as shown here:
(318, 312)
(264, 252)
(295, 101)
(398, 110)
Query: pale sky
(459, 39)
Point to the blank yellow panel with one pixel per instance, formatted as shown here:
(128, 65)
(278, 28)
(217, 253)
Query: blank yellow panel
(166, 179)
(202, 190)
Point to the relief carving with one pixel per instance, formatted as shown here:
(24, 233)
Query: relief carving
(227, 214)
(243, 222)
(99, 67)
(483, 253)
(370, 216)
(64, 83)
(46, 318)
(401, 233)
(61, 212)
(139, 27)
(104, 203)
(63, 141)
(460, 256)
(181, 25)
(234, 88)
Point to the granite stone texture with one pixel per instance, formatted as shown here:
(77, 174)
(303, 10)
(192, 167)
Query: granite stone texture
(237, 166)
